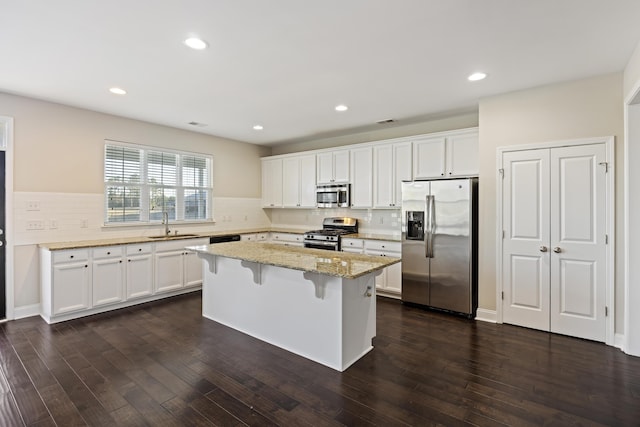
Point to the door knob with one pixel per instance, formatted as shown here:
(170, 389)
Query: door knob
(557, 249)
(543, 249)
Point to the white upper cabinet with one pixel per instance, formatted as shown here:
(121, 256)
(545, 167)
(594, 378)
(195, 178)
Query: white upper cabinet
(462, 154)
(392, 164)
(428, 158)
(299, 181)
(362, 177)
(272, 183)
(446, 156)
(333, 167)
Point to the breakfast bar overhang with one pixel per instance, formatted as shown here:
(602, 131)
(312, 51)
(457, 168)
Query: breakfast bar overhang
(315, 303)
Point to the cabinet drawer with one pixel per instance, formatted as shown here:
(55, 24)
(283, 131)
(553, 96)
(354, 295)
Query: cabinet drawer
(144, 248)
(287, 237)
(70, 255)
(383, 245)
(107, 252)
(352, 243)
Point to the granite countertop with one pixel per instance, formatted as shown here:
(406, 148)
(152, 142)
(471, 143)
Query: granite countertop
(373, 236)
(80, 244)
(339, 264)
(57, 246)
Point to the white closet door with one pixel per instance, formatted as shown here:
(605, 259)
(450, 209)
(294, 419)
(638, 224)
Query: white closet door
(578, 228)
(526, 238)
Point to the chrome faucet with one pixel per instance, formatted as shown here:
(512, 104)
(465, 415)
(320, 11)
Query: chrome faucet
(165, 221)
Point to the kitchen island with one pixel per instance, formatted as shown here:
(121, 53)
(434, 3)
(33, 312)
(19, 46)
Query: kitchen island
(318, 304)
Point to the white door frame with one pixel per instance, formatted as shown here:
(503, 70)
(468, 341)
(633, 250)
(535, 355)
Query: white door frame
(8, 206)
(610, 221)
(631, 341)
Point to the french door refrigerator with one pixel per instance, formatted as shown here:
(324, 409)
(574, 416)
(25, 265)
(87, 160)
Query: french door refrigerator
(439, 244)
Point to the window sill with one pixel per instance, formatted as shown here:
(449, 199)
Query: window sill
(157, 224)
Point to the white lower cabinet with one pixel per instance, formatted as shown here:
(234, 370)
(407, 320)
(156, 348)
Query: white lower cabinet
(79, 282)
(389, 282)
(107, 275)
(71, 272)
(175, 267)
(139, 270)
(287, 239)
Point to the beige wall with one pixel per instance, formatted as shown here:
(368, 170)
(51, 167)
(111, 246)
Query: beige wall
(60, 148)
(460, 121)
(632, 72)
(578, 109)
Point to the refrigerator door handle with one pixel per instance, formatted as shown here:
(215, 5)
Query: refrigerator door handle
(428, 242)
(432, 223)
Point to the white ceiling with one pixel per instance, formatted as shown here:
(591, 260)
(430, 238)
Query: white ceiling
(285, 64)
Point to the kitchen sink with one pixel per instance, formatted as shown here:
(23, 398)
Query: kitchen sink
(173, 236)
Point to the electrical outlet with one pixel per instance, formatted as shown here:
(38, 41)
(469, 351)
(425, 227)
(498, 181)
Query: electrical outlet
(33, 205)
(35, 225)
(84, 223)
(53, 224)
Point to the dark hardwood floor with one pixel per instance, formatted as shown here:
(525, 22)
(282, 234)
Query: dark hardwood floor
(163, 364)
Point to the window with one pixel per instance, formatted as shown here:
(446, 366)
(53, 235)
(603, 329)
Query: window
(143, 182)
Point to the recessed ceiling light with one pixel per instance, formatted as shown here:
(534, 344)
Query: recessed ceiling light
(477, 76)
(118, 91)
(258, 127)
(195, 43)
(341, 107)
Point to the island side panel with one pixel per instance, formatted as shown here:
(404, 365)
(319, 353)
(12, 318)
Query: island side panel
(358, 317)
(283, 310)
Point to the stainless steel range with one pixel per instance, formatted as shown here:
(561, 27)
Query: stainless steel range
(329, 236)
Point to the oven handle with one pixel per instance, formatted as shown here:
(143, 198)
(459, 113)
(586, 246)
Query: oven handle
(321, 243)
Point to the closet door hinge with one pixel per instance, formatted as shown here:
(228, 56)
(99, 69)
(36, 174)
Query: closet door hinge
(502, 295)
(606, 166)
(606, 311)
(503, 234)
(606, 239)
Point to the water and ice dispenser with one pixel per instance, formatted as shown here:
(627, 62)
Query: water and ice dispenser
(415, 225)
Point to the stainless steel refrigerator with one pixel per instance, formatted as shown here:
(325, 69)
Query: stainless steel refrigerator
(439, 244)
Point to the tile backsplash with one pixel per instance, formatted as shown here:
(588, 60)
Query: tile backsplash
(59, 217)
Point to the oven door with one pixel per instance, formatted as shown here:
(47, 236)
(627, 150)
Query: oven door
(318, 244)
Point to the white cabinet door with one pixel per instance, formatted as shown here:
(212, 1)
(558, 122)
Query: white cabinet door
(299, 182)
(192, 269)
(333, 167)
(71, 287)
(402, 169)
(383, 175)
(325, 168)
(108, 281)
(169, 270)
(272, 183)
(362, 177)
(554, 250)
(428, 158)
(462, 154)
(291, 182)
(341, 166)
(578, 249)
(307, 181)
(139, 276)
(392, 165)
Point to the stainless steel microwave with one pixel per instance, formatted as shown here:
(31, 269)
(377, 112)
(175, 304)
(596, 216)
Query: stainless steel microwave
(333, 196)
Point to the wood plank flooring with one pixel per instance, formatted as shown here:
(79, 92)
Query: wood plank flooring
(162, 364)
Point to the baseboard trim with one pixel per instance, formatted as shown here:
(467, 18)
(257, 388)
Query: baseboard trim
(618, 341)
(485, 315)
(26, 311)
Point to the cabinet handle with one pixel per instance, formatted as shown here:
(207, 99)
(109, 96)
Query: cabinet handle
(120, 261)
(557, 249)
(449, 173)
(543, 249)
(140, 250)
(129, 260)
(442, 174)
(71, 256)
(86, 266)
